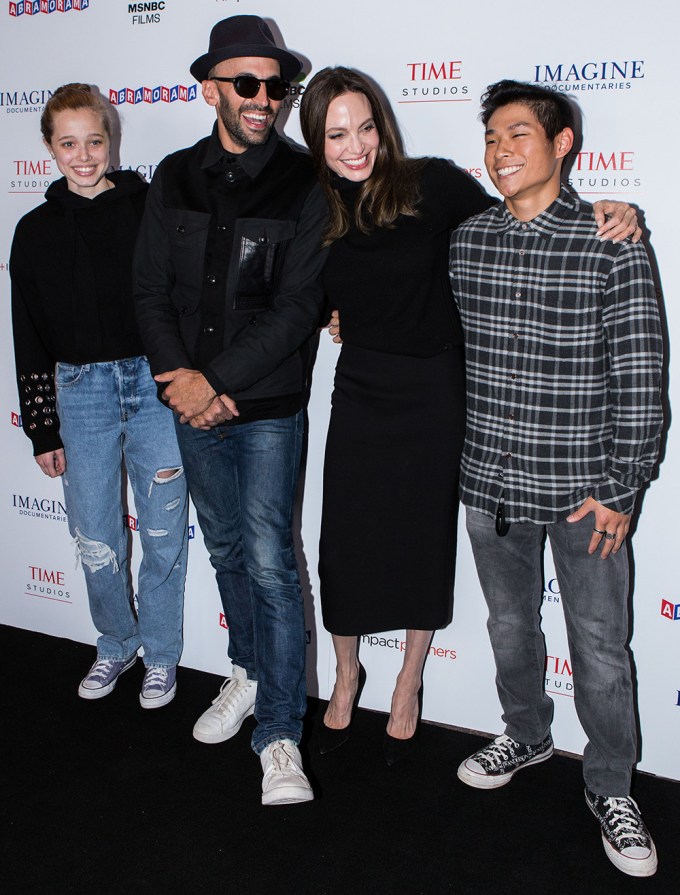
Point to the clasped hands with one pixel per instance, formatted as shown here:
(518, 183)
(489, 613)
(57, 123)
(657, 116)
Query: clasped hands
(192, 397)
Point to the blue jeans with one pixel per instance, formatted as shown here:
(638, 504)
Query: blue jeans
(243, 480)
(594, 594)
(109, 412)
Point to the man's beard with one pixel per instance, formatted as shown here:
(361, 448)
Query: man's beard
(231, 119)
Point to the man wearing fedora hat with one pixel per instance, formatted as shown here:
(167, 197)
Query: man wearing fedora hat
(227, 288)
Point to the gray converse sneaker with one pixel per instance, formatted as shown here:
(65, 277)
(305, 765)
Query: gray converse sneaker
(284, 781)
(159, 686)
(233, 704)
(494, 765)
(103, 677)
(625, 837)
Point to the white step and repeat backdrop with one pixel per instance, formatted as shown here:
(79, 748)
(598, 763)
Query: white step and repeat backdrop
(433, 60)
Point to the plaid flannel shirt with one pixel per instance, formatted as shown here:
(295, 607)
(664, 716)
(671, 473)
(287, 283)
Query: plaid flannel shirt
(563, 352)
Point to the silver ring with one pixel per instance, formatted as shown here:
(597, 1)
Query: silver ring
(610, 536)
(598, 532)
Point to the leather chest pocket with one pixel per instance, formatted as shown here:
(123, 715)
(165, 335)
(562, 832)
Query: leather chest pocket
(261, 246)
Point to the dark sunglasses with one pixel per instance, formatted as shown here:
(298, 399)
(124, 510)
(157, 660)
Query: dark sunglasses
(248, 86)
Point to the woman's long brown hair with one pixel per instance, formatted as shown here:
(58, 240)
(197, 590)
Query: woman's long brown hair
(392, 188)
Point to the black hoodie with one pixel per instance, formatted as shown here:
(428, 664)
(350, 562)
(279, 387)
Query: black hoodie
(72, 301)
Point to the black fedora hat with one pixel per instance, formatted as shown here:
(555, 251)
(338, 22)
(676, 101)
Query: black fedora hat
(244, 36)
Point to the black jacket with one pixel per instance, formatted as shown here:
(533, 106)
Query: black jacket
(227, 266)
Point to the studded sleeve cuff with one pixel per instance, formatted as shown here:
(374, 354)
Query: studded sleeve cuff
(38, 410)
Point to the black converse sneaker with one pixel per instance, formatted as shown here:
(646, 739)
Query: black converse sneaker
(625, 837)
(494, 765)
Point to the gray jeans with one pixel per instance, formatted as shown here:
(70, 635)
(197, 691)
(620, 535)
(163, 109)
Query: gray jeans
(594, 595)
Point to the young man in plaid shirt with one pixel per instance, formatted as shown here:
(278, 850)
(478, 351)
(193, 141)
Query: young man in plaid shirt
(563, 353)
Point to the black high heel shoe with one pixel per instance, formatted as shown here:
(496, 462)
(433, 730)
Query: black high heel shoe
(331, 738)
(393, 749)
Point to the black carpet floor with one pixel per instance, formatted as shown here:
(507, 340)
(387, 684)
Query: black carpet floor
(104, 797)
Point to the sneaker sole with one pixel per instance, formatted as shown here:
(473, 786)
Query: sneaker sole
(631, 866)
(287, 795)
(639, 867)
(490, 781)
(222, 737)
(87, 693)
(157, 702)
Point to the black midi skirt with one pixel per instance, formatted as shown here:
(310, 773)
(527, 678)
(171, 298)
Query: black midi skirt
(390, 491)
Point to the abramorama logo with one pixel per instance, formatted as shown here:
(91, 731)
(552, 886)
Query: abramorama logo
(47, 584)
(39, 507)
(224, 624)
(35, 7)
(160, 94)
(671, 611)
(578, 76)
(394, 643)
(435, 81)
(132, 522)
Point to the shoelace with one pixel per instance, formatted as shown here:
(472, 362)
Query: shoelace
(155, 679)
(496, 753)
(101, 669)
(230, 687)
(282, 759)
(624, 821)
(283, 762)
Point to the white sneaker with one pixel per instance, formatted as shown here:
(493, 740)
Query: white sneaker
(234, 703)
(284, 780)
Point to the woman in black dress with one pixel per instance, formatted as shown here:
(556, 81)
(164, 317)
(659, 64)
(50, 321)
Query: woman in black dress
(388, 533)
(390, 507)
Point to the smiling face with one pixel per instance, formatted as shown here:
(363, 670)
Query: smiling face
(242, 123)
(80, 146)
(352, 138)
(522, 162)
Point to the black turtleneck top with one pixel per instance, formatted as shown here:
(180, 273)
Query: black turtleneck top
(391, 286)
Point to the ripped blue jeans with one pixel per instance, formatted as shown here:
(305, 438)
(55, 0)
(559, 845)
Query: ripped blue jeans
(111, 420)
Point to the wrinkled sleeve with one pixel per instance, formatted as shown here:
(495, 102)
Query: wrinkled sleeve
(33, 359)
(633, 332)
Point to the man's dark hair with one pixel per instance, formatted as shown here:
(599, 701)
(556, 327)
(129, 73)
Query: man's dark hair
(552, 110)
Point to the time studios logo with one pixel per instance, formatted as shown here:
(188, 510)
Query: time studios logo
(605, 171)
(619, 74)
(435, 81)
(558, 676)
(30, 175)
(47, 584)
